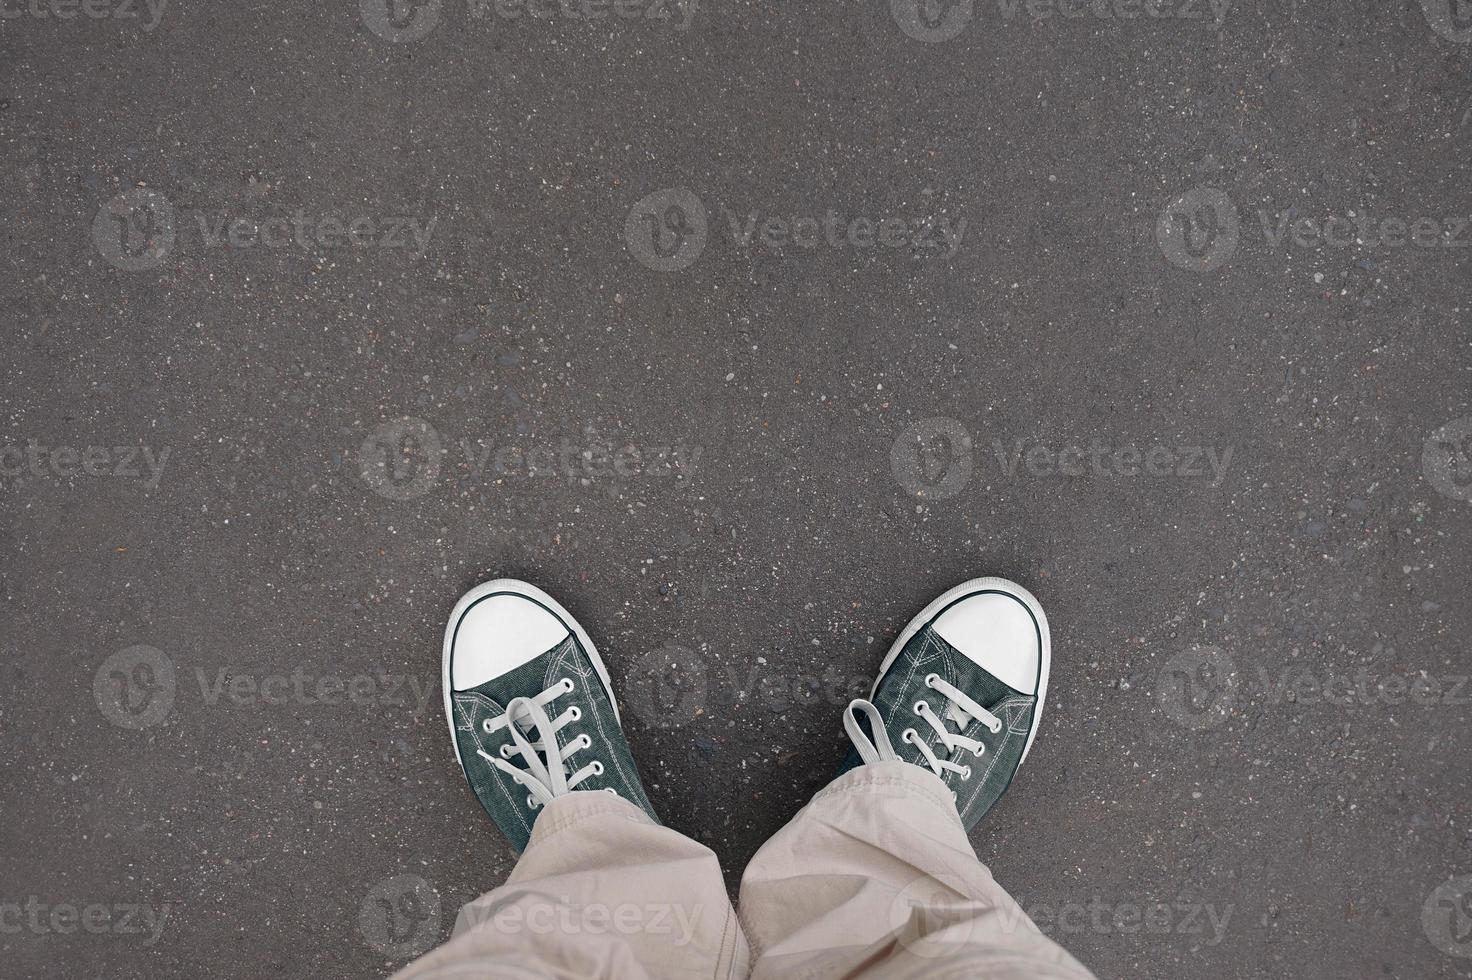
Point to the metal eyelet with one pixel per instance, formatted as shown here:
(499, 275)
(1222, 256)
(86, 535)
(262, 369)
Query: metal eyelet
(921, 707)
(998, 729)
(574, 713)
(597, 768)
(506, 751)
(586, 741)
(531, 803)
(909, 735)
(980, 751)
(610, 789)
(966, 773)
(485, 726)
(567, 685)
(930, 680)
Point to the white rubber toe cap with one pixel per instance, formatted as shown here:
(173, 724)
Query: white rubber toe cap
(997, 632)
(499, 633)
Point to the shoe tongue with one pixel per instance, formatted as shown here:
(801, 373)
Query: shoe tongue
(956, 716)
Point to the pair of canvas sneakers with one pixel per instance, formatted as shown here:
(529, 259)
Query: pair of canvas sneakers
(533, 716)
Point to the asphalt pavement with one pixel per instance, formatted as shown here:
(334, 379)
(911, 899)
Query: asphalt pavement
(744, 329)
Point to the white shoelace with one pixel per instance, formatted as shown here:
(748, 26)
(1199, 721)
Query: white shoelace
(545, 781)
(960, 710)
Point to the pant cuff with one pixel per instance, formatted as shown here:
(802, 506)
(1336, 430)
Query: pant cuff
(898, 778)
(573, 808)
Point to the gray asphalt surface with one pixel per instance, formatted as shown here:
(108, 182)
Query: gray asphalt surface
(744, 330)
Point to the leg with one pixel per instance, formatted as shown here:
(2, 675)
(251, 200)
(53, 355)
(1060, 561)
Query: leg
(875, 877)
(601, 888)
(601, 891)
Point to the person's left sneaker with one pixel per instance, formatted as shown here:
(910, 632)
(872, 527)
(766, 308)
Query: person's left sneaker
(531, 709)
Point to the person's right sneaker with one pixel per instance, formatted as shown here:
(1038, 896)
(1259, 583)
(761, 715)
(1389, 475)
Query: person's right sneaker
(960, 692)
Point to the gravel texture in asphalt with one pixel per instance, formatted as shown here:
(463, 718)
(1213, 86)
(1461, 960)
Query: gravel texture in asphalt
(744, 329)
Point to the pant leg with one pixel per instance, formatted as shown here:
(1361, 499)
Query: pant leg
(601, 891)
(875, 878)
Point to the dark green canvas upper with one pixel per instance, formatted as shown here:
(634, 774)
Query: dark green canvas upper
(503, 797)
(903, 684)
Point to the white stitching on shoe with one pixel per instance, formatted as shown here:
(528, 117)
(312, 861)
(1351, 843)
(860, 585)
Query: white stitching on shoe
(480, 745)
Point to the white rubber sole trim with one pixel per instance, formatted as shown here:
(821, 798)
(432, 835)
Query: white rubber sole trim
(988, 584)
(516, 587)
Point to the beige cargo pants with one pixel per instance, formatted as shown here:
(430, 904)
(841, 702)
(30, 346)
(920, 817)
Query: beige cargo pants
(874, 878)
